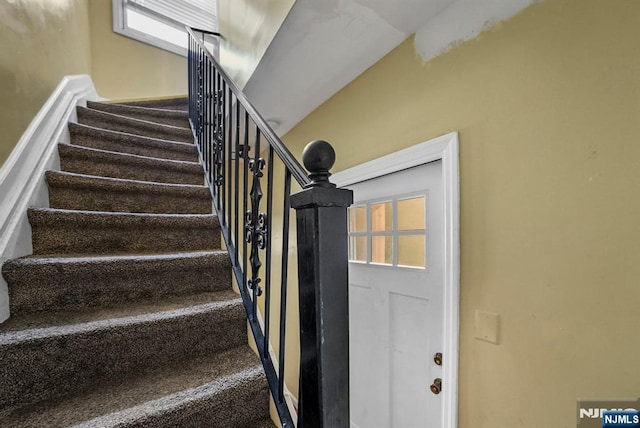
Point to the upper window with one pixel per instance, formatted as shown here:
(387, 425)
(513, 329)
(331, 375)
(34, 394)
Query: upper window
(161, 22)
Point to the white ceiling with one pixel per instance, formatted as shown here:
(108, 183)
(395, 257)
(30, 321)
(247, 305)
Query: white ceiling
(324, 45)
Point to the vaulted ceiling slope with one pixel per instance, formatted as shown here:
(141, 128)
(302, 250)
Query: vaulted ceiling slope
(323, 45)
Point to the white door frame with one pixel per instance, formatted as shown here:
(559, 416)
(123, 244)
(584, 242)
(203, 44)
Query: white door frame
(444, 148)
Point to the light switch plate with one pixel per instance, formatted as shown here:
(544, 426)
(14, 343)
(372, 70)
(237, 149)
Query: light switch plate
(487, 326)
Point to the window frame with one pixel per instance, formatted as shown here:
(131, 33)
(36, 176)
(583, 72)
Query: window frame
(394, 233)
(120, 26)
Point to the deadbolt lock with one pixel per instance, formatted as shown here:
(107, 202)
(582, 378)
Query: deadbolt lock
(436, 386)
(438, 358)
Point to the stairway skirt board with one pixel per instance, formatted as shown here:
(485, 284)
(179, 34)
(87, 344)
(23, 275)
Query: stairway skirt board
(124, 314)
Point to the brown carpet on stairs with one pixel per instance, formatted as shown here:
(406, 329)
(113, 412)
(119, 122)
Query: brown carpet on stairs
(121, 142)
(124, 315)
(174, 103)
(164, 116)
(84, 160)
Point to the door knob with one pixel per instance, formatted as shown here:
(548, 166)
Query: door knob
(438, 359)
(436, 386)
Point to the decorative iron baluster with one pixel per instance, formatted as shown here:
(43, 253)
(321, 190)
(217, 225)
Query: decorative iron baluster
(219, 176)
(321, 229)
(218, 179)
(268, 252)
(200, 91)
(256, 225)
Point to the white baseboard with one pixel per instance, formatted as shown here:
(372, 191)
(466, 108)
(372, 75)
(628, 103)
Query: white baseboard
(22, 182)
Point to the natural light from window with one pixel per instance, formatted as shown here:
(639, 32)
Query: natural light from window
(157, 29)
(161, 23)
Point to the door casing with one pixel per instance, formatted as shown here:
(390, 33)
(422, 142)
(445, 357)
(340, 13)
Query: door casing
(444, 148)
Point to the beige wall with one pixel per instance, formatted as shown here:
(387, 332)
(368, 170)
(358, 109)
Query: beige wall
(248, 26)
(546, 105)
(40, 42)
(124, 68)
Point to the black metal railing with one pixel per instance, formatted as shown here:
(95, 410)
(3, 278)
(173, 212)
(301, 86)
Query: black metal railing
(252, 175)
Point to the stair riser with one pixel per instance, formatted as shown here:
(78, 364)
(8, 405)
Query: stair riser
(131, 202)
(180, 104)
(124, 124)
(56, 287)
(131, 171)
(172, 118)
(50, 240)
(56, 366)
(215, 413)
(77, 234)
(122, 143)
(242, 406)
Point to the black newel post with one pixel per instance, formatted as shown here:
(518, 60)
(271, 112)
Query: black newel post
(324, 293)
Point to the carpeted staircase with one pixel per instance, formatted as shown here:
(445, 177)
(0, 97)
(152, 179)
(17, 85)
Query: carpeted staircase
(124, 314)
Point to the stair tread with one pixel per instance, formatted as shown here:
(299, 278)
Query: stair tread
(136, 126)
(41, 325)
(176, 116)
(66, 178)
(75, 282)
(113, 116)
(88, 152)
(132, 105)
(265, 423)
(133, 254)
(179, 103)
(42, 215)
(33, 260)
(138, 142)
(171, 387)
(99, 162)
(84, 191)
(71, 231)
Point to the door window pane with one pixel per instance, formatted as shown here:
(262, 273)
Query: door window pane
(382, 249)
(411, 214)
(382, 217)
(358, 219)
(358, 248)
(411, 250)
(389, 233)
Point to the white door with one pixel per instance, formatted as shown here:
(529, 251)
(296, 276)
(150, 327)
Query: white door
(396, 291)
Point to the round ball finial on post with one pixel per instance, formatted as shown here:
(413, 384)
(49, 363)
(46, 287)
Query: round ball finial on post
(318, 158)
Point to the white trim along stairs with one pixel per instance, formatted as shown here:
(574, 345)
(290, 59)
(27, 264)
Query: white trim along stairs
(22, 175)
(121, 307)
